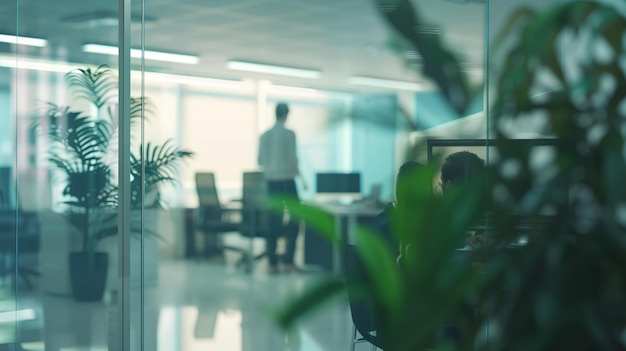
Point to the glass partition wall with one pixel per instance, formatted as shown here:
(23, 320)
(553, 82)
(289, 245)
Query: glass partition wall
(198, 83)
(67, 282)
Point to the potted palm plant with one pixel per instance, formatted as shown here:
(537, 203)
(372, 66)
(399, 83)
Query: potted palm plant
(82, 152)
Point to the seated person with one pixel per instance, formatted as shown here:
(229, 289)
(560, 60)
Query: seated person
(382, 223)
(457, 168)
(413, 183)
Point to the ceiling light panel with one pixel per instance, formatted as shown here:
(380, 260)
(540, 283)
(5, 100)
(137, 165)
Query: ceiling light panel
(273, 69)
(385, 83)
(137, 53)
(20, 40)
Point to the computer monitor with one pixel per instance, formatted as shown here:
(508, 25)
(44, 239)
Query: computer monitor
(541, 151)
(338, 186)
(436, 146)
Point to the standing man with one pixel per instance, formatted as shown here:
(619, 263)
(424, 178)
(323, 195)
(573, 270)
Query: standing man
(279, 161)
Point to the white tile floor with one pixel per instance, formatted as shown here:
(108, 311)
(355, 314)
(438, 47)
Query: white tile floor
(199, 306)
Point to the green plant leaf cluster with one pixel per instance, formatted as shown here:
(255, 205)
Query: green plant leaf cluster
(565, 288)
(396, 289)
(157, 164)
(439, 64)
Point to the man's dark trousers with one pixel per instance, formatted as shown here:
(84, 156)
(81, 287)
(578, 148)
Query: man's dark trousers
(282, 188)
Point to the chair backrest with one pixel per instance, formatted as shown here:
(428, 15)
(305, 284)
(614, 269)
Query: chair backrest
(363, 315)
(18, 223)
(6, 184)
(254, 215)
(208, 201)
(23, 227)
(207, 190)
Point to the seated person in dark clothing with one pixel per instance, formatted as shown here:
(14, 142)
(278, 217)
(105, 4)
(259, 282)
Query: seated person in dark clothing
(382, 222)
(456, 170)
(458, 167)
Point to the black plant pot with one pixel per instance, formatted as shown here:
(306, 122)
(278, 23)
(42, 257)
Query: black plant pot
(88, 275)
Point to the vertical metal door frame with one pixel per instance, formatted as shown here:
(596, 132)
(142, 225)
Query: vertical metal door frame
(124, 229)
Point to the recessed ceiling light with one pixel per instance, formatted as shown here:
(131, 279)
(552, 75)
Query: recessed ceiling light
(103, 19)
(37, 65)
(19, 40)
(65, 67)
(198, 81)
(385, 83)
(273, 69)
(136, 53)
(310, 93)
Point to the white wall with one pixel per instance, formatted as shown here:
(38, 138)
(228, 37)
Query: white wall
(470, 127)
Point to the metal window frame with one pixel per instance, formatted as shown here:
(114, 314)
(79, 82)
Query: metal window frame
(124, 227)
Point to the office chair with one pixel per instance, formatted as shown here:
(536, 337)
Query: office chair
(214, 219)
(363, 318)
(19, 235)
(255, 217)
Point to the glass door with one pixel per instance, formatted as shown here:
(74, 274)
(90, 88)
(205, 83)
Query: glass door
(66, 219)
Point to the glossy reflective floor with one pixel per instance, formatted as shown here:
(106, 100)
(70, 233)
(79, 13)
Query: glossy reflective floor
(198, 306)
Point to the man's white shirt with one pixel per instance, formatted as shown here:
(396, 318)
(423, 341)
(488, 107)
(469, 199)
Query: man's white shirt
(277, 153)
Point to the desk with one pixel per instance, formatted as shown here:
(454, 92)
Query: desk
(346, 220)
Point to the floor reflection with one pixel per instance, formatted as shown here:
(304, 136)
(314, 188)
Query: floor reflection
(198, 306)
(186, 328)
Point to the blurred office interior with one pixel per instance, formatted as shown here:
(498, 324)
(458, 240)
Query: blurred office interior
(213, 72)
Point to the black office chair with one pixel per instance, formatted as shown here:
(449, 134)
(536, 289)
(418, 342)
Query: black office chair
(254, 215)
(19, 235)
(213, 219)
(363, 316)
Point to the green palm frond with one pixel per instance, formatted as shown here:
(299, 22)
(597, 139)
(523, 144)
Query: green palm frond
(162, 161)
(158, 164)
(104, 130)
(439, 63)
(46, 115)
(87, 139)
(140, 108)
(62, 164)
(57, 120)
(98, 86)
(108, 196)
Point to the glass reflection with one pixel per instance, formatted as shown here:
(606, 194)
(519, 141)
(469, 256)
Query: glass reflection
(188, 328)
(39, 45)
